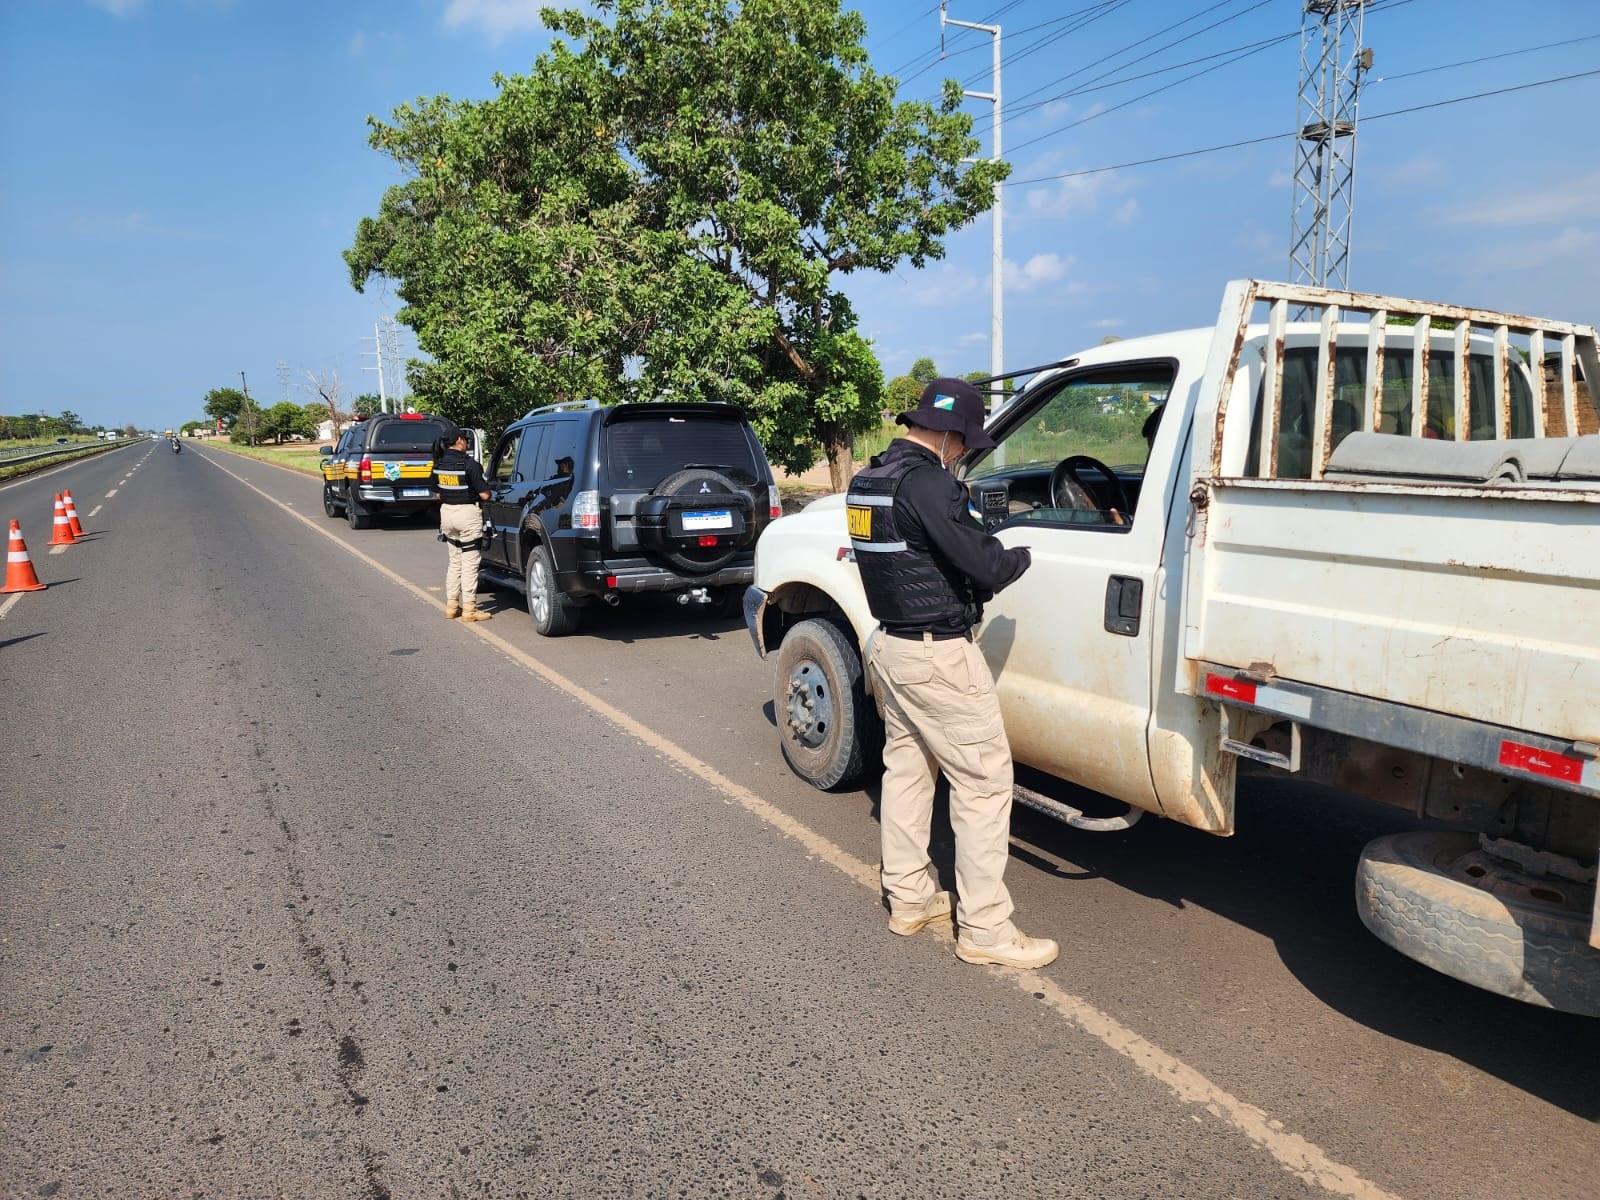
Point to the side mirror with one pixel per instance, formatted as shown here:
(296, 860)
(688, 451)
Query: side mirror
(326, 450)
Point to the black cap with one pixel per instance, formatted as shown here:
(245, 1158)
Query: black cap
(951, 406)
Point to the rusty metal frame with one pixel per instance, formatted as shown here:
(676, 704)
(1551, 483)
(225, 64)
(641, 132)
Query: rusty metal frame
(1577, 348)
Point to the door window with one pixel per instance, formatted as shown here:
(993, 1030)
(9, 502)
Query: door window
(528, 465)
(558, 456)
(505, 458)
(1077, 455)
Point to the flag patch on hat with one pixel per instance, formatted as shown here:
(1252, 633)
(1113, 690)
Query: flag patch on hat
(948, 403)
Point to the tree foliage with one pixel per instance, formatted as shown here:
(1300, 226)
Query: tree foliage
(364, 405)
(662, 208)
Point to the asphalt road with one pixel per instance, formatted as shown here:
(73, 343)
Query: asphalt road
(305, 891)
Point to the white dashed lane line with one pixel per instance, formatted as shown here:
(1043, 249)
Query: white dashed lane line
(111, 493)
(95, 509)
(9, 601)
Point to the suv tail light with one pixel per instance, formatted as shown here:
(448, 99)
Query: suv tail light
(586, 510)
(774, 502)
(366, 469)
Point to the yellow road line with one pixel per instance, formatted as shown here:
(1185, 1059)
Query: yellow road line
(1295, 1154)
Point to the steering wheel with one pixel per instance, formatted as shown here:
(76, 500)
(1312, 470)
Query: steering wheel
(1068, 490)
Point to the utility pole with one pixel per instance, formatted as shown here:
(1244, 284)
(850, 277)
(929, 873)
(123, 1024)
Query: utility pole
(246, 413)
(997, 315)
(377, 353)
(396, 372)
(1333, 62)
(283, 378)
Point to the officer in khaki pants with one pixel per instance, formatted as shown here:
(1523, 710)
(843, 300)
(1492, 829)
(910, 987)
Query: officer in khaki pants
(927, 567)
(461, 486)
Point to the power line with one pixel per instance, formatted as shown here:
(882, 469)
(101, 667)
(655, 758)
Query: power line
(1095, 116)
(1083, 16)
(1275, 137)
(939, 53)
(1134, 45)
(1468, 62)
(1039, 44)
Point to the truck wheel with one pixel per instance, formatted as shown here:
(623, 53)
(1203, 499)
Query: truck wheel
(329, 505)
(825, 721)
(554, 615)
(1438, 898)
(355, 514)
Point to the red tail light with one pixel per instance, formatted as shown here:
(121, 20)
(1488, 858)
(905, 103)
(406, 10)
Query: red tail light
(366, 469)
(707, 539)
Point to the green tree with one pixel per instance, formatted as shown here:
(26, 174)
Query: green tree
(903, 391)
(223, 404)
(70, 421)
(662, 208)
(364, 405)
(286, 419)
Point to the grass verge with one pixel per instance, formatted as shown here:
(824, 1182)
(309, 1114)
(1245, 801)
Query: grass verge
(306, 460)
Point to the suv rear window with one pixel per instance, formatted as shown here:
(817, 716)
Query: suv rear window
(642, 451)
(407, 435)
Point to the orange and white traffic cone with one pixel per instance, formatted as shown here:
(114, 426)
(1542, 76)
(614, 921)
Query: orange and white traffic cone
(72, 513)
(61, 535)
(20, 575)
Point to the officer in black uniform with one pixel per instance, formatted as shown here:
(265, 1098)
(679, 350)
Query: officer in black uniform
(461, 486)
(928, 567)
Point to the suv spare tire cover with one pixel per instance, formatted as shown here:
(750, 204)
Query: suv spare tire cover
(698, 487)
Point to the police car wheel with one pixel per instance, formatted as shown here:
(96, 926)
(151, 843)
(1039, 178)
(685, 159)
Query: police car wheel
(329, 505)
(824, 717)
(357, 516)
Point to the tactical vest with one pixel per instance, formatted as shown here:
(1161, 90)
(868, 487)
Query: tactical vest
(450, 474)
(906, 586)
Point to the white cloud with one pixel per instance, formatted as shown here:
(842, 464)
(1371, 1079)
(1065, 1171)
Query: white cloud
(118, 8)
(357, 44)
(1570, 245)
(1552, 204)
(972, 339)
(1279, 179)
(1107, 323)
(1037, 272)
(1126, 211)
(941, 286)
(1076, 196)
(496, 19)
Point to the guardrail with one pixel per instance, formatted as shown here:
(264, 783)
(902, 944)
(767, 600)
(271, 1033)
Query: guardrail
(19, 457)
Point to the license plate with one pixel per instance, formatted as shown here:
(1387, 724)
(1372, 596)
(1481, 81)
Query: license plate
(721, 518)
(417, 493)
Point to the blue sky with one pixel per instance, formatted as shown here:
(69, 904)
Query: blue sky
(178, 177)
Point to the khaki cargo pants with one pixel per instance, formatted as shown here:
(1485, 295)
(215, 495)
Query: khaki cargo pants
(940, 713)
(464, 523)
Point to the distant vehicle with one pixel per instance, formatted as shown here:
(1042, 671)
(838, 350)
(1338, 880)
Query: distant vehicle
(61, 441)
(1368, 561)
(589, 503)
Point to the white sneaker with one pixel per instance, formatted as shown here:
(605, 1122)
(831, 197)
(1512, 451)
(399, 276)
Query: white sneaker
(1023, 952)
(910, 920)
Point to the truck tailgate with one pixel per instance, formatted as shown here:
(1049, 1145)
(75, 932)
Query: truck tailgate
(1485, 606)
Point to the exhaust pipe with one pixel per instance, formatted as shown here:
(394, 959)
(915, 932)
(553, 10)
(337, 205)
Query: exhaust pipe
(611, 598)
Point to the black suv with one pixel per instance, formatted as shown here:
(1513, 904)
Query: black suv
(591, 503)
(383, 464)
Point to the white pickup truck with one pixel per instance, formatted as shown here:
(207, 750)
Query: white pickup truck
(1361, 544)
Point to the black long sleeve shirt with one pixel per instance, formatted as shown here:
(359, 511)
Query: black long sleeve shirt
(931, 510)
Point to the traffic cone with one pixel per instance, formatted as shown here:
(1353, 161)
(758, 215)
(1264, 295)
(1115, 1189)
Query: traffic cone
(20, 575)
(61, 535)
(72, 514)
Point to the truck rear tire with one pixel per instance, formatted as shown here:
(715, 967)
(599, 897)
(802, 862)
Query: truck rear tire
(826, 723)
(1437, 898)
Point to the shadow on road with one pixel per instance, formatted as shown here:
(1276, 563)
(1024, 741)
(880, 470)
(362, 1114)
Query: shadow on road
(26, 637)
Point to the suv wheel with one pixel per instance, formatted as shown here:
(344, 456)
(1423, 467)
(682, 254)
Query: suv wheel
(554, 615)
(825, 721)
(329, 505)
(359, 517)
